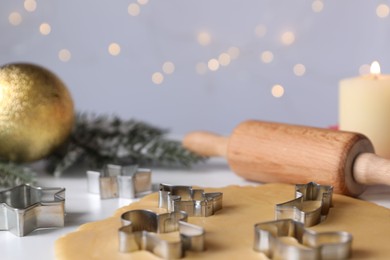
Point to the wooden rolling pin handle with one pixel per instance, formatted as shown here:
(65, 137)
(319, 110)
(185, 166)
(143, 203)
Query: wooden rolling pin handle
(371, 169)
(206, 143)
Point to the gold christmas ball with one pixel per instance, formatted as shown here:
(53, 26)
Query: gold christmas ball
(36, 112)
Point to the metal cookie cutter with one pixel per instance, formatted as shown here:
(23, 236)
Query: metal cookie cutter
(25, 208)
(195, 202)
(289, 239)
(310, 206)
(142, 230)
(120, 181)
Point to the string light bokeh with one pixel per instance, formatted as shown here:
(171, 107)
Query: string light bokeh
(215, 63)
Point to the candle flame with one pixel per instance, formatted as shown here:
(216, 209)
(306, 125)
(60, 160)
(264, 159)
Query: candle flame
(375, 68)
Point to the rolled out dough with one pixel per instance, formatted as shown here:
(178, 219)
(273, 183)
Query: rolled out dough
(230, 232)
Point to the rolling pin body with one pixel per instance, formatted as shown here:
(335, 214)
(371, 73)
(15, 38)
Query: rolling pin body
(274, 152)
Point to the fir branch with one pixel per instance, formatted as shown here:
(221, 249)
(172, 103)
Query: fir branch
(12, 175)
(97, 140)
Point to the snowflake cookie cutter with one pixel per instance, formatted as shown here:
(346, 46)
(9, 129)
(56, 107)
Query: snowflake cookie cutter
(195, 202)
(289, 239)
(25, 208)
(145, 230)
(301, 208)
(117, 181)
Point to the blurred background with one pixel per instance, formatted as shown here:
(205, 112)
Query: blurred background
(190, 65)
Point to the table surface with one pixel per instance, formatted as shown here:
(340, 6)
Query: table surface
(82, 207)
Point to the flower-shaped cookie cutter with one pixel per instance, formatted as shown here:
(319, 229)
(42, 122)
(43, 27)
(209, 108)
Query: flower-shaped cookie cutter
(289, 239)
(310, 206)
(120, 181)
(145, 230)
(25, 208)
(195, 202)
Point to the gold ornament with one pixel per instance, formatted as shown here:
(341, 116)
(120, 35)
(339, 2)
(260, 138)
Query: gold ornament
(36, 112)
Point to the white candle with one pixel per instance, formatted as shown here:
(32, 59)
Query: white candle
(364, 107)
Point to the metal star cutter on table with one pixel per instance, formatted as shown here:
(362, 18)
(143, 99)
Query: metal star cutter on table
(117, 181)
(310, 206)
(25, 208)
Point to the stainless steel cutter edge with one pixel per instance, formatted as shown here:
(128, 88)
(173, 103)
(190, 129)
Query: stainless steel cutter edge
(307, 192)
(140, 229)
(195, 202)
(117, 181)
(25, 208)
(311, 245)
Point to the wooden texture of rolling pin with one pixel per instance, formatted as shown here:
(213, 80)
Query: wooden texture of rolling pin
(275, 152)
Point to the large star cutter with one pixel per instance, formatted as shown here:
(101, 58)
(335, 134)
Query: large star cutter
(288, 239)
(195, 202)
(141, 230)
(25, 208)
(310, 206)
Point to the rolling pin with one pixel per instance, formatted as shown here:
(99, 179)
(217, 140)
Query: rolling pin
(276, 152)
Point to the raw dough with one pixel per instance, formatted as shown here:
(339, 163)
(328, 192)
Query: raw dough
(230, 232)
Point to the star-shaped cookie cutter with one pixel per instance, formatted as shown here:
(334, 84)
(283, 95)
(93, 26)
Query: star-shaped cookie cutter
(310, 206)
(195, 202)
(289, 239)
(120, 181)
(144, 230)
(25, 208)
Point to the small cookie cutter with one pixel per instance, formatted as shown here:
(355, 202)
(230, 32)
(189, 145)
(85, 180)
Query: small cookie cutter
(195, 202)
(25, 208)
(141, 229)
(120, 181)
(271, 238)
(296, 210)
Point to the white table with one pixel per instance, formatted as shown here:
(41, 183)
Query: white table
(83, 207)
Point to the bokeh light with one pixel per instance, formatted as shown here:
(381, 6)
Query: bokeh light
(267, 56)
(143, 2)
(157, 78)
(382, 10)
(15, 18)
(288, 38)
(224, 59)
(204, 38)
(299, 69)
(168, 67)
(364, 69)
(260, 30)
(213, 64)
(114, 49)
(45, 28)
(277, 91)
(64, 55)
(133, 9)
(317, 6)
(30, 5)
